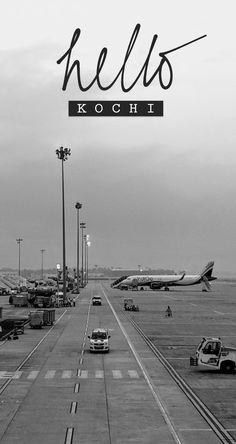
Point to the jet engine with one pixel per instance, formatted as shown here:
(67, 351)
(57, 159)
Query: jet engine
(155, 286)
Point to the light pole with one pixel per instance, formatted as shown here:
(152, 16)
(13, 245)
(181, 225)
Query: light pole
(88, 243)
(62, 154)
(85, 259)
(82, 226)
(42, 251)
(78, 206)
(19, 240)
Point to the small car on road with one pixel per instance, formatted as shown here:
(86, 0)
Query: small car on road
(99, 340)
(96, 300)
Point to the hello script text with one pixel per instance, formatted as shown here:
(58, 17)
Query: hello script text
(165, 83)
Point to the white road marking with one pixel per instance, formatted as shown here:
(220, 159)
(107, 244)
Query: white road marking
(69, 435)
(133, 374)
(5, 375)
(50, 374)
(99, 374)
(33, 374)
(195, 430)
(17, 375)
(218, 312)
(66, 374)
(83, 374)
(116, 374)
(76, 390)
(73, 407)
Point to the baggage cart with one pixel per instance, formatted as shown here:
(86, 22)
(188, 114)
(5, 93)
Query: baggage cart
(20, 300)
(51, 315)
(48, 316)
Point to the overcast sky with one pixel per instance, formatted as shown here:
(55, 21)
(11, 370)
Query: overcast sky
(157, 191)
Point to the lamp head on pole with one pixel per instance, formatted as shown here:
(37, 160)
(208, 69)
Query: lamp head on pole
(63, 153)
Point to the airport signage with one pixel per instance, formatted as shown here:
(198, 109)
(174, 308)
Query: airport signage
(119, 108)
(162, 73)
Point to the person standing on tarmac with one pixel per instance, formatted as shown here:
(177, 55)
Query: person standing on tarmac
(168, 312)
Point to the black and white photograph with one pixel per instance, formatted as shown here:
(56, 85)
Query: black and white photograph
(118, 222)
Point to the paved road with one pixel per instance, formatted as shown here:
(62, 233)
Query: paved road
(64, 394)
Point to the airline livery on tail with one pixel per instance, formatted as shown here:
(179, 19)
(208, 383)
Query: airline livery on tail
(156, 282)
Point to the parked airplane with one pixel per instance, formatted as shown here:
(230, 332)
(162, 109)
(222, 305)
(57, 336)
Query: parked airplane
(156, 282)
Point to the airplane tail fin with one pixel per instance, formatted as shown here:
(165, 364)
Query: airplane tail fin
(207, 270)
(206, 276)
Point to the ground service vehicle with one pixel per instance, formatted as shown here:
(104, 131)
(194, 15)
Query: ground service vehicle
(99, 340)
(129, 305)
(41, 296)
(97, 300)
(36, 319)
(4, 291)
(211, 353)
(9, 324)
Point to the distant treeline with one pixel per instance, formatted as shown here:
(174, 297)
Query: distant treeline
(95, 271)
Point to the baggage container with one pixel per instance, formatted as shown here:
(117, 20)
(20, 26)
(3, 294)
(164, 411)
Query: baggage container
(48, 316)
(20, 300)
(36, 319)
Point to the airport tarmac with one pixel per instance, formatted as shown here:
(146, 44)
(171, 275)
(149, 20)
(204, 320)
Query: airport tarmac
(64, 394)
(195, 314)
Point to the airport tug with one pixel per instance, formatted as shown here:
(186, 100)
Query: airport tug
(211, 353)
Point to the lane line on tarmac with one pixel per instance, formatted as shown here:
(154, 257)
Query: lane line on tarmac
(73, 408)
(77, 387)
(69, 435)
(146, 376)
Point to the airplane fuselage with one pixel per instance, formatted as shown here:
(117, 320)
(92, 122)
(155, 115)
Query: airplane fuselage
(169, 280)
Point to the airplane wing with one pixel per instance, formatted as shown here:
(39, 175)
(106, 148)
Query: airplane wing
(175, 279)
